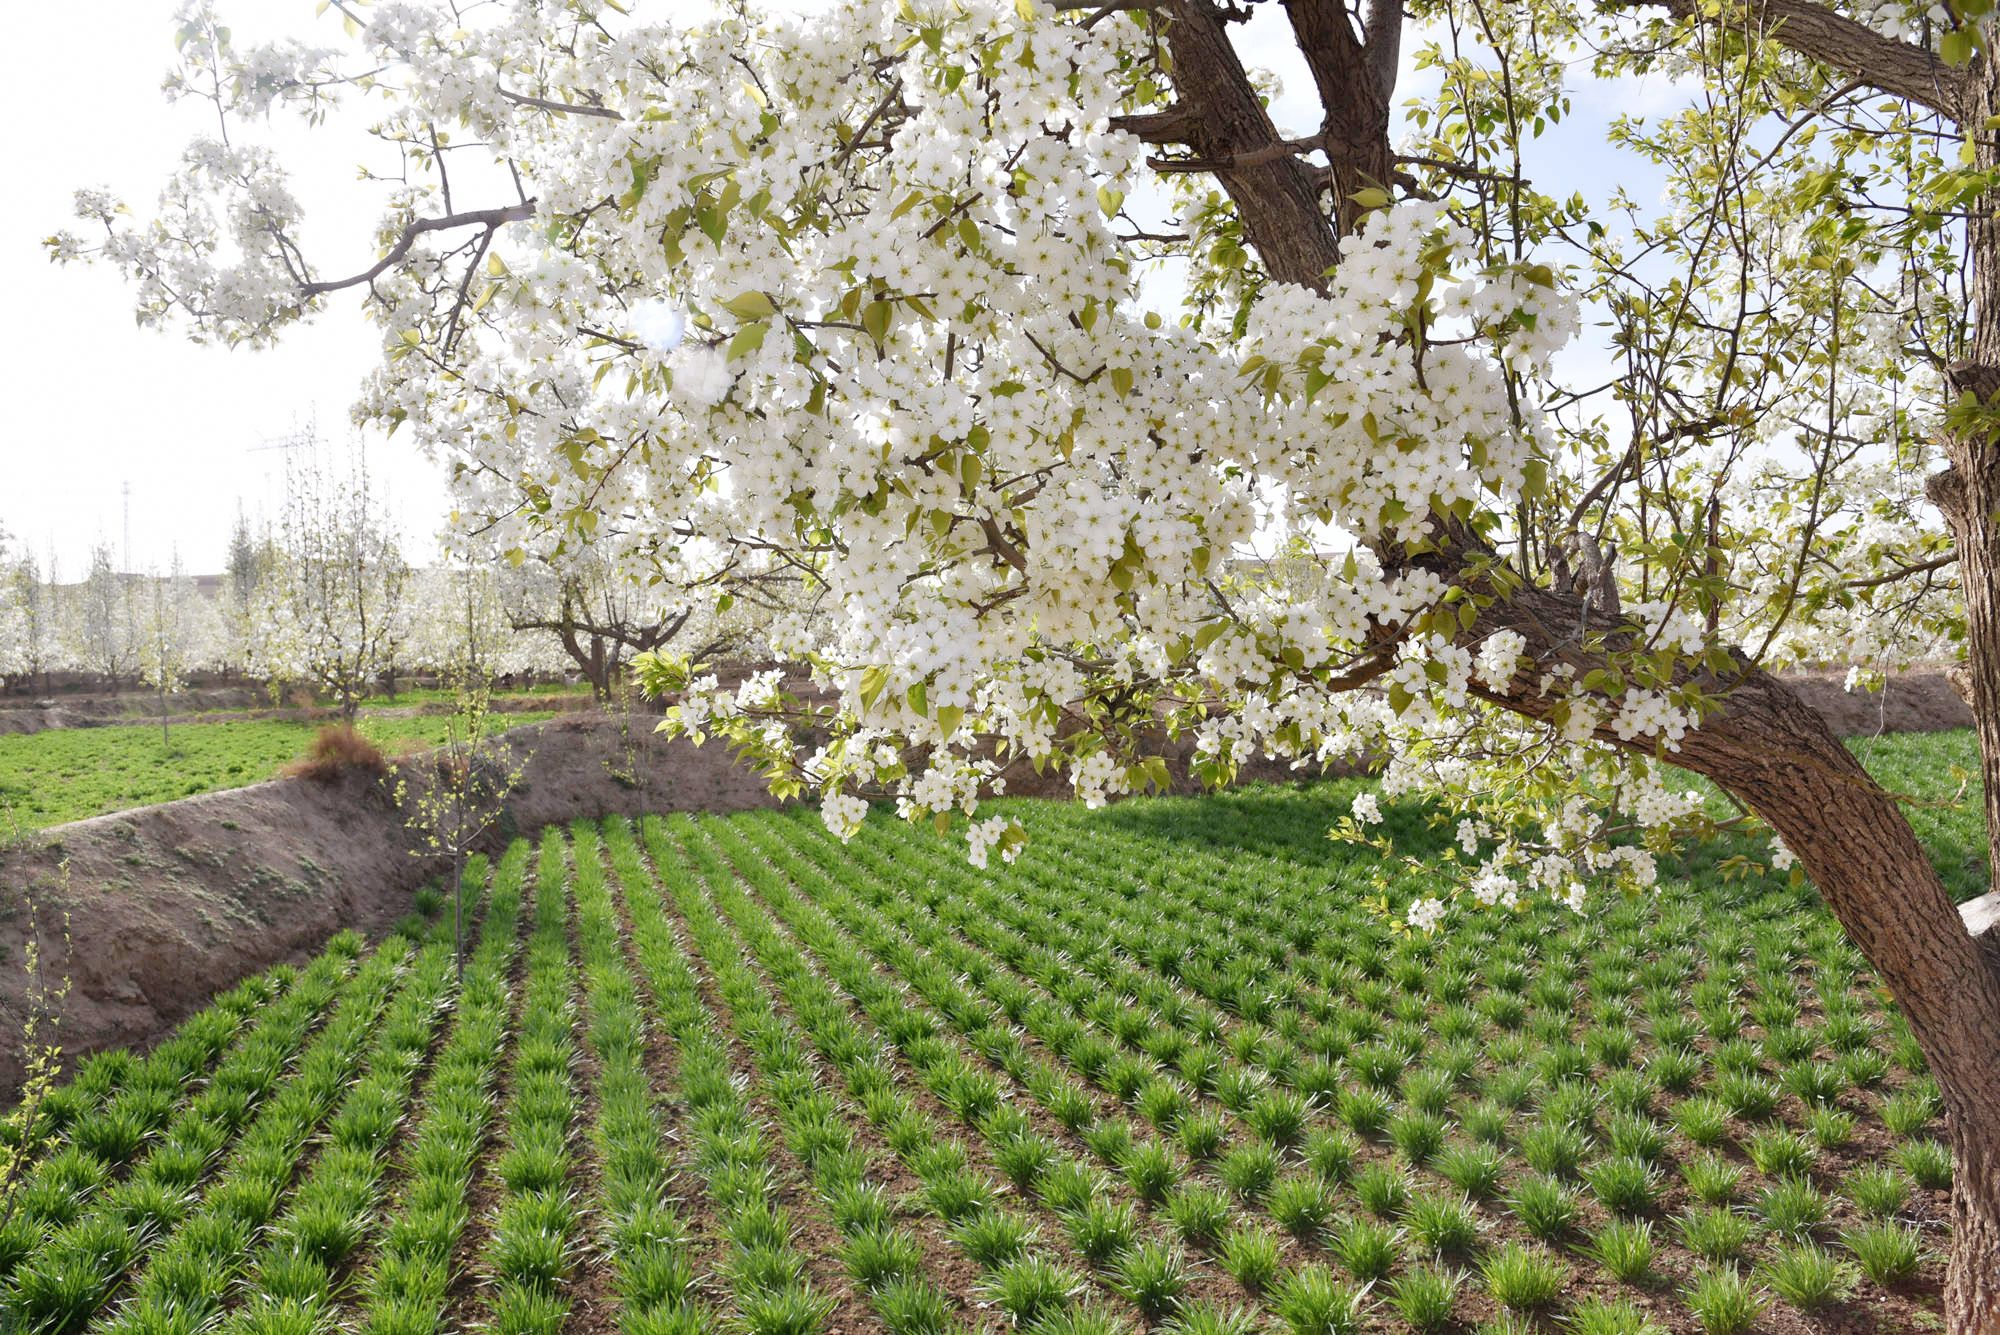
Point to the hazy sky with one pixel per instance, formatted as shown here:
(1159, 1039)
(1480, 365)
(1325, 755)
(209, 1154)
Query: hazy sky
(96, 405)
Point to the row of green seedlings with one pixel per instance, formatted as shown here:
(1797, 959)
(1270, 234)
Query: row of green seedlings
(203, 1244)
(1545, 1009)
(1616, 969)
(74, 1269)
(1626, 1181)
(1022, 1276)
(1281, 920)
(1256, 1164)
(818, 1135)
(1830, 1125)
(645, 1239)
(288, 1275)
(766, 1272)
(1156, 1275)
(403, 1286)
(92, 1128)
(525, 1260)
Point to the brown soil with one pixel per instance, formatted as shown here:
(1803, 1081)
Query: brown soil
(169, 904)
(238, 704)
(1918, 701)
(1204, 1283)
(483, 1192)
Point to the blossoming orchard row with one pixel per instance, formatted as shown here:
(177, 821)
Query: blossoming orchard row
(739, 1074)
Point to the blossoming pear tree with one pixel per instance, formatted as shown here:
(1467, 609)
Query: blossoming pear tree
(335, 600)
(17, 589)
(178, 629)
(875, 294)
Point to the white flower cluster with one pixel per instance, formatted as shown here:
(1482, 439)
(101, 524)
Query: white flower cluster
(1097, 778)
(982, 837)
(1500, 658)
(1425, 914)
(842, 813)
(1652, 714)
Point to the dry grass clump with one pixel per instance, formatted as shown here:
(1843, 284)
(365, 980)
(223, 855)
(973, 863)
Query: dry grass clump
(337, 749)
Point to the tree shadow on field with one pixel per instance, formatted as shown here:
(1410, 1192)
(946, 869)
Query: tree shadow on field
(1284, 821)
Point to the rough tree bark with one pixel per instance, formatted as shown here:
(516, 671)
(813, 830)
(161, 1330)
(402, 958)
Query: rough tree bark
(1766, 746)
(1778, 756)
(1967, 493)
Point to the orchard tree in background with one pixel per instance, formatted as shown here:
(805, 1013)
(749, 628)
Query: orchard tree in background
(18, 586)
(462, 620)
(173, 631)
(36, 608)
(248, 563)
(453, 796)
(1024, 335)
(102, 625)
(336, 594)
(604, 616)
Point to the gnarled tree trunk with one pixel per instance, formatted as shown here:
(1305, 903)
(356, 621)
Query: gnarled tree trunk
(1778, 756)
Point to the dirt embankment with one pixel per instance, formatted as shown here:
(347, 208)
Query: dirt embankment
(169, 904)
(1921, 701)
(233, 705)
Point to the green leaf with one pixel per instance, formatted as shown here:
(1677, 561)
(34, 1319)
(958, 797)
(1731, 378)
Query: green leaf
(873, 681)
(917, 698)
(1121, 380)
(748, 339)
(875, 318)
(948, 719)
(750, 306)
(1371, 198)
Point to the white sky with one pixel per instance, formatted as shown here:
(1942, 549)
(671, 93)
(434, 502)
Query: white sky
(95, 404)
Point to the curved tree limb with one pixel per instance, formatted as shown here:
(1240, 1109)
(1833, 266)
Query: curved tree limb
(487, 218)
(1901, 69)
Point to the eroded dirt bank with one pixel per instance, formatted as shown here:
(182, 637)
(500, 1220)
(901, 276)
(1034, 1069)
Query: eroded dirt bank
(169, 904)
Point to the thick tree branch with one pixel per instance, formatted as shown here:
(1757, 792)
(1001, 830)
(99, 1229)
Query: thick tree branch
(1277, 197)
(1171, 126)
(1901, 69)
(1385, 44)
(1355, 83)
(487, 218)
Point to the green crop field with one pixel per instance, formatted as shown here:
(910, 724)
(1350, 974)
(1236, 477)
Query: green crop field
(66, 774)
(1169, 1072)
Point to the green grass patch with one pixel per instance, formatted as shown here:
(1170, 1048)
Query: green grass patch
(67, 774)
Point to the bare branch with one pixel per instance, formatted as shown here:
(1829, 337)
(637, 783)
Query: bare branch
(1903, 572)
(565, 108)
(1901, 69)
(487, 218)
(1256, 157)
